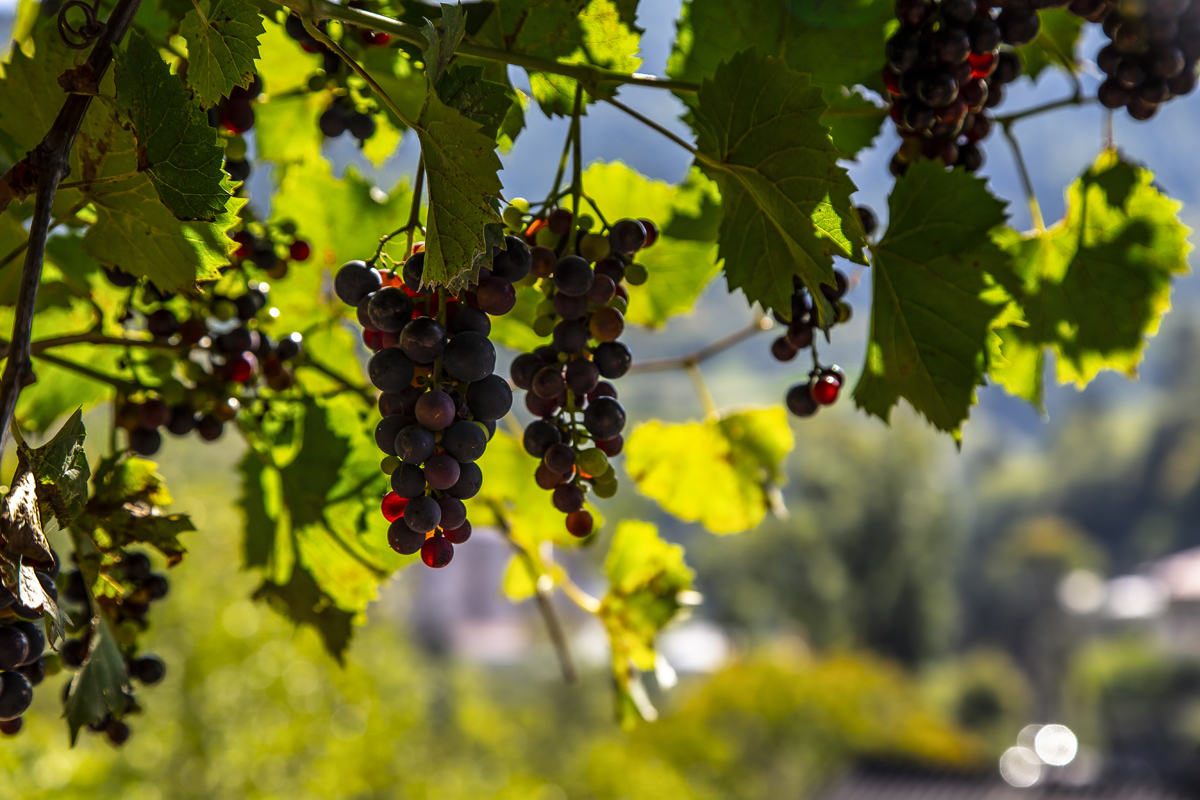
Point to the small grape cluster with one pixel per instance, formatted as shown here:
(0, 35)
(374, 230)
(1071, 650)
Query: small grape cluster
(235, 115)
(23, 663)
(264, 249)
(824, 384)
(220, 353)
(434, 364)
(1153, 53)
(343, 113)
(580, 419)
(946, 67)
(142, 587)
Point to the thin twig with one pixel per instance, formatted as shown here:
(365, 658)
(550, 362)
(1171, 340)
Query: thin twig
(1035, 210)
(711, 412)
(584, 73)
(362, 391)
(97, 181)
(761, 323)
(50, 161)
(1073, 100)
(41, 345)
(128, 387)
(642, 118)
(320, 36)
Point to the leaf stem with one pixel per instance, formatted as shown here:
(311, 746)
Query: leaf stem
(1076, 99)
(584, 73)
(1035, 210)
(706, 399)
(320, 36)
(414, 215)
(125, 386)
(761, 323)
(97, 181)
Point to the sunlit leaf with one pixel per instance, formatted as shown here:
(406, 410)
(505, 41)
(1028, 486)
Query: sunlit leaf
(222, 41)
(98, 688)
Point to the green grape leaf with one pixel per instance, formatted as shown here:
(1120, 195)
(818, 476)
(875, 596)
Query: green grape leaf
(574, 32)
(1055, 43)
(125, 509)
(696, 210)
(647, 578)
(98, 688)
(461, 168)
(443, 41)
(176, 146)
(286, 129)
(785, 200)
(679, 271)
(929, 319)
(282, 64)
(222, 42)
(310, 493)
(30, 95)
(61, 469)
(512, 500)
(721, 474)
(1093, 287)
(837, 43)
(486, 102)
(136, 232)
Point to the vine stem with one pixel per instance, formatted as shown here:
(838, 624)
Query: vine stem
(320, 36)
(642, 118)
(97, 181)
(584, 73)
(1076, 99)
(42, 345)
(706, 399)
(414, 214)
(128, 387)
(761, 323)
(50, 161)
(577, 153)
(1035, 210)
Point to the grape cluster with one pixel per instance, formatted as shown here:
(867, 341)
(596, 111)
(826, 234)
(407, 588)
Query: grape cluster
(824, 383)
(23, 664)
(946, 66)
(343, 113)
(220, 354)
(434, 364)
(1152, 55)
(142, 586)
(235, 115)
(580, 420)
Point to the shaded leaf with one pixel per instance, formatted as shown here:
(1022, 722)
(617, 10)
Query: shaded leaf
(443, 41)
(62, 471)
(785, 200)
(1055, 43)
(125, 509)
(717, 473)
(222, 43)
(461, 168)
(98, 688)
(176, 146)
(302, 600)
(1094, 286)
(929, 319)
(486, 102)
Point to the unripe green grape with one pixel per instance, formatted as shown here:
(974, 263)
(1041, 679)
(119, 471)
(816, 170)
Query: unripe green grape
(843, 313)
(594, 247)
(544, 326)
(635, 274)
(161, 364)
(605, 490)
(513, 218)
(592, 461)
(520, 203)
(194, 372)
(172, 392)
(235, 148)
(287, 227)
(317, 81)
(545, 308)
(585, 222)
(546, 238)
(389, 464)
(224, 310)
(619, 304)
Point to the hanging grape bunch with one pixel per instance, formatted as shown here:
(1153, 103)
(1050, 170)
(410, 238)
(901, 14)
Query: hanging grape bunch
(433, 363)
(348, 110)
(945, 67)
(141, 588)
(580, 419)
(234, 116)
(824, 383)
(1153, 52)
(215, 357)
(22, 647)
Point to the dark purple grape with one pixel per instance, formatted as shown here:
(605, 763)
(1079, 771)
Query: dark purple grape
(408, 481)
(539, 437)
(454, 513)
(467, 318)
(332, 122)
(414, 271)
(441, 471)
(496, 296)
(604, 418)
(582, 376)
(570, 307)
(800, 400)
(148, 669)
(1018, 24)
(423, 340)
(548, 382)
(613, 359)
(144, 441)
(514, 262)
(465, 441)
(436, 410)
(388, 429)
(403, 539)
(1008, 69)
(361, 126)
(469, 357)
(523, 368)
(390, 370)
(570, 337)
(16, 694)
(985, 35)
(627, 236)
(560, 458)
(354, 281)
(414, 444)
(489, 399)
(573, 275)
(390, 309)
(422, 514)
(469, 481)
(951, 45)
(568, 498)
(14, 647)
(903, 49)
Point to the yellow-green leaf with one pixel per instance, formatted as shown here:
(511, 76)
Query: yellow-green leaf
(717, 473)
(222, 41)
